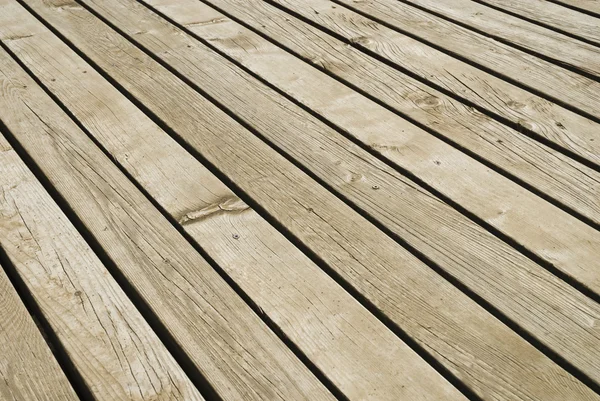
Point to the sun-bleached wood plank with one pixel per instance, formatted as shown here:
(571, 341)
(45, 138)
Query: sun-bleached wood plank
(562, 49)
(28, 370)
(431, 160)
(110, 344)
(350, 346)
(591, 6)
(225, 340)
(553, 15)
(467, 128)
(428, 308)
(473, 84)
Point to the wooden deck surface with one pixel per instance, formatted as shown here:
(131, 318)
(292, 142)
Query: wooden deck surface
(300, 200)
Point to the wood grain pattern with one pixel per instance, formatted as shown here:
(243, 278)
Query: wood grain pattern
(28, 370)
(560, 48)
(435, 66)
(449, 325)
(569, 239)
(591, 6)
(460, 124)
(553, 15)
(227, 342)
(350, 346)
(113, 348)
(433, 161)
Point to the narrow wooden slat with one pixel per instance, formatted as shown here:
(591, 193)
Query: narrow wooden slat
(431, 160)
(461, 78)
(545, 42)
(113, 348)
(441, 319)
(591, 6)
(28, 370)
(350, 346)
(234, 350)
(469, 129)
(553, 15)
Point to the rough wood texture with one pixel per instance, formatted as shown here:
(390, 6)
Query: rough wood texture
(591, 6)
(227, 342)
(435, 66)
(312, 145)
(445, 322)
(469, 129)
(553, 16)
(499, 25)
(505, 205)
(116, 352)
(350, 346)
(28, 370)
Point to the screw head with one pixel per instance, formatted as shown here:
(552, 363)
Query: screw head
(235, 236)
(375, 187)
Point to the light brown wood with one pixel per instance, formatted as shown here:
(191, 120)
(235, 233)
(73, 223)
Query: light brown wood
(592, 6)
(505, 205)
(568, 239)
(227, 342)
(554, 16)
(435, 66)
(434, 313)
(111, 345)
(470, 129)
(562, 49)
(28, 370)
(350, 346)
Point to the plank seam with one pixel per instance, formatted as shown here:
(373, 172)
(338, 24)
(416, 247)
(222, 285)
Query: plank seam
(581, 287)
(256, 309)
(298, 243)
(538, 23)
(50, 337)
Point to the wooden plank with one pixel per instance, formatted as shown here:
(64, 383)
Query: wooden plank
(590, 6)
(562, 49)
(233, 349)
(468, 129)
(440, 318)
(479, 87)
(363, 358)
(552, 15)
(111, 345)
(28, 370)
(431, 160)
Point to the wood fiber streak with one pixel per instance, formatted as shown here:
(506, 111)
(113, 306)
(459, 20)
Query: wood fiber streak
(225, 340)
(350, 346)
(488, 356)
